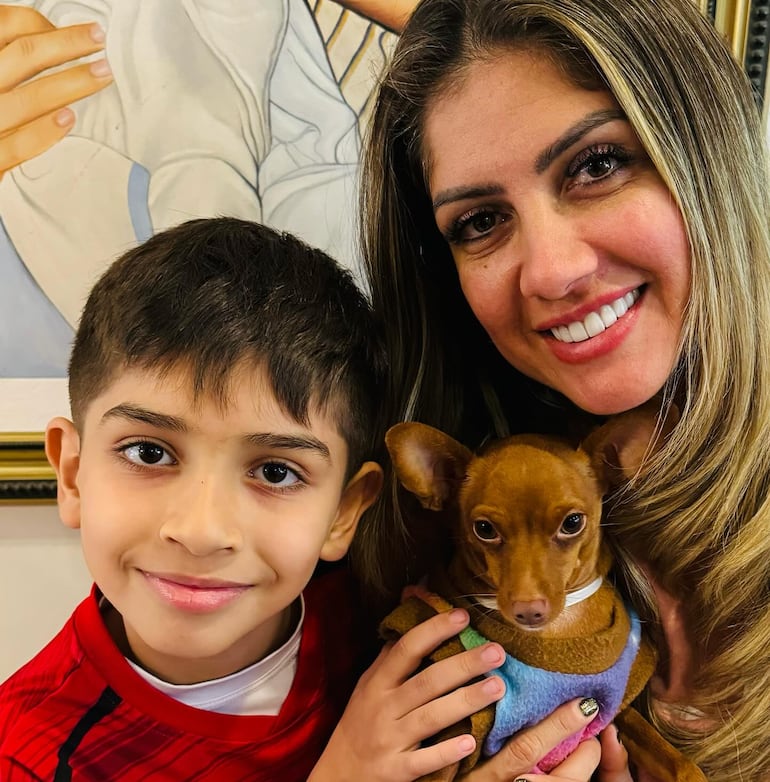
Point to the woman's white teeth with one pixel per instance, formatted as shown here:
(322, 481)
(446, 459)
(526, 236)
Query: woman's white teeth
(596, 322)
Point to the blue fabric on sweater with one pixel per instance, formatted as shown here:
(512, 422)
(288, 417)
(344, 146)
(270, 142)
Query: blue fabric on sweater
(533, 693)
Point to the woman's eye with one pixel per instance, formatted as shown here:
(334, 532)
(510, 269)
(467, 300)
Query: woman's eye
(596, 164)
(473, 225)
(600, 166)
(147, 453)
(276, 474)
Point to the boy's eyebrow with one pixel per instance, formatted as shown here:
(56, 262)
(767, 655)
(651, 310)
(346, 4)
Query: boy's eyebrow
(573, 134)
(142, 415)
(290, 442)
(162, 421)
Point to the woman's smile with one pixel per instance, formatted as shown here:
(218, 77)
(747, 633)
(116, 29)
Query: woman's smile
(569, 248)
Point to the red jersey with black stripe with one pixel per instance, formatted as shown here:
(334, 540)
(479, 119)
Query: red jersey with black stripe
(77, 712)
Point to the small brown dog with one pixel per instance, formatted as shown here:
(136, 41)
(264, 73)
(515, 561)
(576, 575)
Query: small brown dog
(529, 565)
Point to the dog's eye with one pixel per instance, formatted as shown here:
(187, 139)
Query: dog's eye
(572, 524)
(485, 530)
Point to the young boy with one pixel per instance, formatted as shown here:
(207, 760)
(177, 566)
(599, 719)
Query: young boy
(223, 385)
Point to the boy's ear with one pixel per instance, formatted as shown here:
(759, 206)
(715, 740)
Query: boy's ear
(359, 493)
(62, 447)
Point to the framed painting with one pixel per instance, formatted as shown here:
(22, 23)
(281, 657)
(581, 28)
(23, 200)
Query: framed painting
(269, 132)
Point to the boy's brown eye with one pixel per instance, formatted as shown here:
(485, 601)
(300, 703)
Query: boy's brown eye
(275, 473)
(150, 453)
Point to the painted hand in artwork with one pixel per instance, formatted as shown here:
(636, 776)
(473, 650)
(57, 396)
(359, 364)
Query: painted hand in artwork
(34, 111)
(388, 13)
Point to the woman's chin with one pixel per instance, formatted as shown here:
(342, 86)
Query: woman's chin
(609, 401)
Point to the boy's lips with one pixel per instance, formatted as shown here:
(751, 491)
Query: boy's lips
(198, 595)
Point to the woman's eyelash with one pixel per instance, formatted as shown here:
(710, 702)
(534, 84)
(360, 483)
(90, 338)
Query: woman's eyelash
(454, 233)
(595, 154)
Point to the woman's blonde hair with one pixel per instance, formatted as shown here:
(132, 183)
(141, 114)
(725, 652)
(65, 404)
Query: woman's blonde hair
(698, 512)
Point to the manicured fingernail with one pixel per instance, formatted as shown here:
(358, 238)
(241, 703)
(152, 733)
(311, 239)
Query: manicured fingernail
(64, 118)
(491, 654)
(458, 616)
(97, 33)
(100, 68)
(588, 706)
(466, 745)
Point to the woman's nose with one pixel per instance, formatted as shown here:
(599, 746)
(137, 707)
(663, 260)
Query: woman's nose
(556, 258)
(203, 519)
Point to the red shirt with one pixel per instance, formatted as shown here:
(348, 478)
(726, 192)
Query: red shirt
(77, 711)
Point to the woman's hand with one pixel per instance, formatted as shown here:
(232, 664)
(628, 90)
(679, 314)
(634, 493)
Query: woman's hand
(33, 116)
(614, 763)
(393, 709)
(522, 752)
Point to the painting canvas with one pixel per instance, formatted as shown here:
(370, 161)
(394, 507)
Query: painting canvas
(250, 108)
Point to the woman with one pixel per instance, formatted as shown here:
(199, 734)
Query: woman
(567, 215)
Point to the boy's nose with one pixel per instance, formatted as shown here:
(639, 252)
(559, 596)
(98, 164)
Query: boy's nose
(203, 518)
(555, 260)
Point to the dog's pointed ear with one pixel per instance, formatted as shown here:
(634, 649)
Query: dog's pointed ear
(428, 463)
(618, 447)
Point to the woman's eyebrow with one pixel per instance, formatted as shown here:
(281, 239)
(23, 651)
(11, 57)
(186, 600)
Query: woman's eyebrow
(573, 134)
(544, 159)
(462, 192)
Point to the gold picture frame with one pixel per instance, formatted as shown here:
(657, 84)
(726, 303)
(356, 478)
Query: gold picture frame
(745, 25)
(25, 474)
(27, 405)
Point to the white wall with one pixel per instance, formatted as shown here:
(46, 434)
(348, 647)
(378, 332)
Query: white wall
(42, 578)
(42, 574)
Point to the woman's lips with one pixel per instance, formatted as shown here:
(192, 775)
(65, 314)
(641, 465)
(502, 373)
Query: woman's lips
(596, 321)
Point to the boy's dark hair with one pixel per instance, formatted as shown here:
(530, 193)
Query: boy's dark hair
(211, 293)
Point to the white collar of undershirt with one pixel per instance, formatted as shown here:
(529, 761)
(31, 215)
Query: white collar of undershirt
(259, 689)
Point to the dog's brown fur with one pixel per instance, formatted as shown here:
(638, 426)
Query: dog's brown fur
(526, 513)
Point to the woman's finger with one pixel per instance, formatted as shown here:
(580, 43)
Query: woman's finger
(28, 55)
(578, 767)
(614, 763)
(524, 750)
(48, 93)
